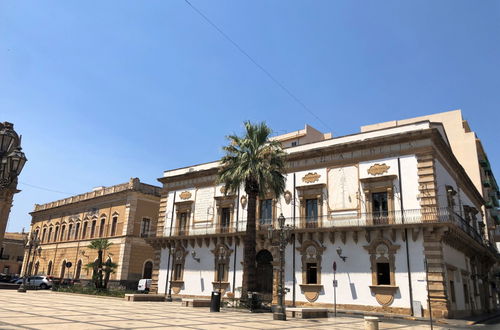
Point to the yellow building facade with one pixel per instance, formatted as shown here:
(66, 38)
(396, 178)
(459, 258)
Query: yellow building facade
(11, 253)
(125, 214)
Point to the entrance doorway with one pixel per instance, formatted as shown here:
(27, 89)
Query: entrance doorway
(265, 273)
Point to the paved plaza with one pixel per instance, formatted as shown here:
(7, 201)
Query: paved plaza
(51, 310)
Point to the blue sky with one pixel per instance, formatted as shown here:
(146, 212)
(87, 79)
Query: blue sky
(107, 90)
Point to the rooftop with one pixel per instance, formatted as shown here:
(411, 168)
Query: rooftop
(134, 184)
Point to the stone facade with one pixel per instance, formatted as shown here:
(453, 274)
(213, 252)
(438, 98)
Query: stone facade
(393, 208)
(11, 253)
(125, 214)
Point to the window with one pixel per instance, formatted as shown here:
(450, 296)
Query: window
(380, 209)
(49, 268)
(102, 227)
(312, 273)
(178, 272)
(311, 213)
(294, 143)
(92, 229)
(145, 226)
(466, 293)
(56, 234)
(266, 211)
(452, 291)
(70, 229)
(84, 230)
(77, 231)
(49, 237)
(221, 271)
(383, 273)
(113, 226)
(63, 231)
(225, 219)
(183, 223)
(43, 234)
(221, 266)
(148, 270)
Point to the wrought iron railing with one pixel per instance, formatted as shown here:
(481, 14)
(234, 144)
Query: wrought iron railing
(336, 220)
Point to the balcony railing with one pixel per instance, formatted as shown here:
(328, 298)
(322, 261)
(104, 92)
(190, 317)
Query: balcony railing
(340, 220)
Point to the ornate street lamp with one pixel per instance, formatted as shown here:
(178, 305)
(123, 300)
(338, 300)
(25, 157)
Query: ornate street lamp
(280, 237)
(31, 243)
(12, 161)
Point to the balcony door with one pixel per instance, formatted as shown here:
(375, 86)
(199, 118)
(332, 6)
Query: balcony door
(312, 213)
(225, 219)
(183, 223)
(380, 210)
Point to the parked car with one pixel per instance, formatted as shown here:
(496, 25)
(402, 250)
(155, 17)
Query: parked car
(144, 285)
(5, 277)
(43, 282)
(14, 279)
(62, 281)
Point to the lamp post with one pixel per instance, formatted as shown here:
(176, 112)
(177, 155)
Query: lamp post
(172, 257)
(280, 237)
(31, 243)
(12, 161)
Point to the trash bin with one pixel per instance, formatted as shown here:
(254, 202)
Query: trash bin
(215, 302)
(253, 300)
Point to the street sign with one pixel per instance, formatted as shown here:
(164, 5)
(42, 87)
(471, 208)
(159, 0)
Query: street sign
(69, 264)
(335, 283)
(334, 266)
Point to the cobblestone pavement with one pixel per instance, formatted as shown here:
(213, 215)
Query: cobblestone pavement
(50, 310)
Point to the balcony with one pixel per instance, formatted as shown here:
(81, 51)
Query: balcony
(343, 221)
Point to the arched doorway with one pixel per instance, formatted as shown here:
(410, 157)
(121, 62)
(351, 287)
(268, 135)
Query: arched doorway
(78, 269)
(264, 272)
(148, 270)
(49, 268)
(63, 269)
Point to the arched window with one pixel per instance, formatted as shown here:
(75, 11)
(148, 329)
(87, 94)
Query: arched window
(77, 230)
(70, 228)
(78, 269)
(102, 227)
(148, 269)
(56, 234)
(49, 237)
(49, 268)
(84, 230)
(113, 226)
(63, 230)
(37, 265)
(92, 229)
(43, 234)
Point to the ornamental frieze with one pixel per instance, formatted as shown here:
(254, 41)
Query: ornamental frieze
(311, 177)
(378, 169)
(185, 195)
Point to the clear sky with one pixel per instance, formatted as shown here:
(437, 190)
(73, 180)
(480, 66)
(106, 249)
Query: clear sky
(107, 90)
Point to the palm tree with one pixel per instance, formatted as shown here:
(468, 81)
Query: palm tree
(101, 245)
(257, 163)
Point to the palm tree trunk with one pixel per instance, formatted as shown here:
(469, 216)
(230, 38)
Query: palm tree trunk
(99, 269)
(249, 245)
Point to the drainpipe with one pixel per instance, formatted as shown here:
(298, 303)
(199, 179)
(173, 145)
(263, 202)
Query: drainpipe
(170, 234)
(293, 244)
(406, 236)
(235, 245)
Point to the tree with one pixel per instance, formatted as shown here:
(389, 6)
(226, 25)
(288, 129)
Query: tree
(101, 245)
(257, 163)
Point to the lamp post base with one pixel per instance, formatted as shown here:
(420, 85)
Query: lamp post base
(279, 313)
(169, 299)
(21, 289)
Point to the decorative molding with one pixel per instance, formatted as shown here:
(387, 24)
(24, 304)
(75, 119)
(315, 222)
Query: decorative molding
(311, 177)
(311, 291)
(243, 201)
(288, 197)
(378, 169)
(185, 195)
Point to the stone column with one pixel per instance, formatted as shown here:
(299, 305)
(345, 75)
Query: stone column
(5, 206)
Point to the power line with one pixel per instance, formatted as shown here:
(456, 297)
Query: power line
(46, 189)
(266, 72)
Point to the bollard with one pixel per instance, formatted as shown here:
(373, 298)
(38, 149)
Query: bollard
(371, 323)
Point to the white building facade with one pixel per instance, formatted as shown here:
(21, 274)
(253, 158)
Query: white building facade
(376, 203)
